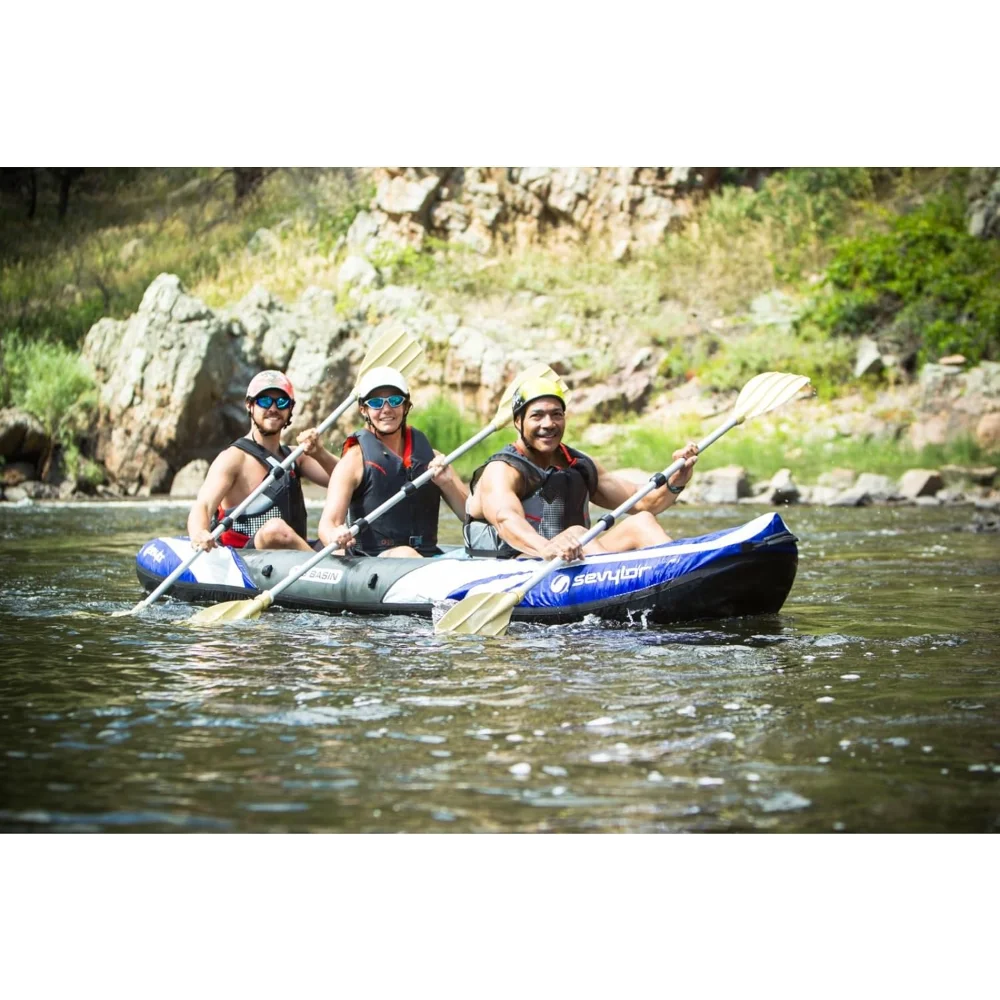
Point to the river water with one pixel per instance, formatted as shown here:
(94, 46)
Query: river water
(870, 703)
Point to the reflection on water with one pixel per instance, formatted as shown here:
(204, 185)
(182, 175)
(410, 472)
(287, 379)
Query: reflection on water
(870, 703)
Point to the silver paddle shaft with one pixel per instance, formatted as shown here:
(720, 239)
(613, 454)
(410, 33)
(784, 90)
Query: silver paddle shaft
(363, 522)
(239, 508)
(605, 522)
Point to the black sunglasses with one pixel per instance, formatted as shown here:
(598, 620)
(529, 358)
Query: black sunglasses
(265, 401)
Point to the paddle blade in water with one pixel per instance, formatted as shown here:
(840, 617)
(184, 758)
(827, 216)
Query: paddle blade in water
(232, 611)
(480, 614)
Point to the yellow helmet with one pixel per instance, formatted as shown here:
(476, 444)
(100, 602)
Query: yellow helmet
(534, 388)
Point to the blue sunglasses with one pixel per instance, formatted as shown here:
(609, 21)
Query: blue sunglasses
(265, 401)
(377, 402)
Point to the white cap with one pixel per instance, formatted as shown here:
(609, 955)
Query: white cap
(381, 376)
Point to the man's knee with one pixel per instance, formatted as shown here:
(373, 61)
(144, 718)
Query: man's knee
(400, 552)
(275, 534)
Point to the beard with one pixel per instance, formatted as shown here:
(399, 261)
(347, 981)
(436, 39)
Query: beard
(263, 430)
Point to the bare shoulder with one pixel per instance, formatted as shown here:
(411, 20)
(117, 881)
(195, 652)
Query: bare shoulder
(499, 476)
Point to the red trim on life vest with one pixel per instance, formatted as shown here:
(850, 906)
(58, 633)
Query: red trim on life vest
(234, 539)
(349, 443)
(375, 465)
(408, 448)
(231, 538)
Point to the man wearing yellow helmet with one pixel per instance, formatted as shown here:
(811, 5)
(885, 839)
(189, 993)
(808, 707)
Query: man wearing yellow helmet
(377, 463)
(533, 496)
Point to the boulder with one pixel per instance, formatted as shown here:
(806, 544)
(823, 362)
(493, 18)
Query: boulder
(356, 271)
(726, 484)
(824, 495)
(838, 479)
(163, 375)
(15, 473)
(878, 487)
(868, 360)
(402, 196)
(920, 483)
(853, 497)
(36, 490)
(988, 432)
(782, 488)
(984, 475)
(188, 481)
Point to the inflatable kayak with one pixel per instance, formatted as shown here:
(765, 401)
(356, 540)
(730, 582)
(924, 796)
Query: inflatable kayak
(746, 570)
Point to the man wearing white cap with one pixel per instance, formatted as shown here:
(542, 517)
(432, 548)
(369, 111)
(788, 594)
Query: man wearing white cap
(376, 464)
(277, 518)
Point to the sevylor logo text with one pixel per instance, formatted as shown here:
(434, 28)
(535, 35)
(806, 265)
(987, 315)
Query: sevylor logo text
(620, 575)
(153, 554)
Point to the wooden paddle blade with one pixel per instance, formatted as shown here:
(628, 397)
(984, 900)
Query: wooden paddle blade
(393, 350)
(480, 614)
(766, 392)
(232, 611)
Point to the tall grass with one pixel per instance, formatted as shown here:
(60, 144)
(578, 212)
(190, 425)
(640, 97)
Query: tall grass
(124, 228)
(49, 381)
(446, 428)
(778, 446)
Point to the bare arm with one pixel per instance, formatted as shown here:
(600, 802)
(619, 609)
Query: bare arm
(346, 478)
(221, 476)
(612, 491)
(454, 491)
(498, 500)
(316, 463)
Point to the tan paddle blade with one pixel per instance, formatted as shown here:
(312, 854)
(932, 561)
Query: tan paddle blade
(767, 391)
(393, 350)
(480, 614)
(232, 611)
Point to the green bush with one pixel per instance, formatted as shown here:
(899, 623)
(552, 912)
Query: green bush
(926, 283)
(446, 428)
(805, 350)
(50, 382)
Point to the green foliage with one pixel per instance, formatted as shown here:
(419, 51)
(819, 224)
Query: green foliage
(764, 448)
(334, 220)
(446, 428)
(50, 382)
(805, 351)
(80, 468)
(926, 282)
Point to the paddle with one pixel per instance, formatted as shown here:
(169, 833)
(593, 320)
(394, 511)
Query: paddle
(231, 611)
(489, 613)
(393, 350)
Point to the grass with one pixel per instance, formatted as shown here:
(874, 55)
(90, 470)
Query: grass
(762, 452)
(49, 381)
(446, 428)
(126, 227)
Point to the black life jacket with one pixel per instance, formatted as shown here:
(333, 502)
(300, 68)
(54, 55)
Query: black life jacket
(283, 498)
(413, 521)
(553, 499)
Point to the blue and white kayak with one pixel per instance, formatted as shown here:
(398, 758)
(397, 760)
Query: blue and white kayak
(746, 570)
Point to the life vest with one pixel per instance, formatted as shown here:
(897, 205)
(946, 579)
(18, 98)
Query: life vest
(283, 498)
(413, 521)
(553, 499)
